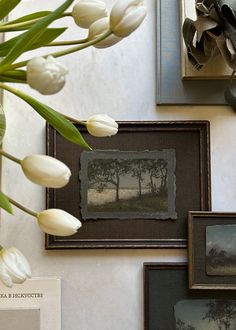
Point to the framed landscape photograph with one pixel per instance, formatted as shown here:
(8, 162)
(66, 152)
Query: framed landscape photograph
(128, 184)
(212, 250)
(169, 304)
(133, 190)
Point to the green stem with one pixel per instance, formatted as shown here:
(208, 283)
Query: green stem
(4, 78)
(1, 247)
(67, 14)
(64, 52)
(23, 208)
(73, 120)
(67, 43)
(11, 157)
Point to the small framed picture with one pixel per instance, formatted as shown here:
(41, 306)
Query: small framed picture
(212, 250)
(134, 189)
(169, 304)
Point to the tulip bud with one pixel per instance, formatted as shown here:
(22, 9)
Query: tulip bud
(101, 126)
(58, 222)
(14, 268)
(85, 12)
(46, 75)
(126, 16)
(46, 171)
(99, 28)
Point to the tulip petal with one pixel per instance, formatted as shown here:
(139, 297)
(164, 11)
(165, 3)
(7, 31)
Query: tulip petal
(4, 277)
(99, 28)
(86, 12)
(58, 222)
(16, 265)
(126, 16)
(130, 22)
(46, 171)
(102, 125)
(47, 76)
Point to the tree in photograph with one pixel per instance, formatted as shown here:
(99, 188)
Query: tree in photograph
(218, 258)
(212, 256)
(137, 170)
(162, 165)
(222, 312)
(157, 170)
(154, 173)
(105, 172)
(181, 325)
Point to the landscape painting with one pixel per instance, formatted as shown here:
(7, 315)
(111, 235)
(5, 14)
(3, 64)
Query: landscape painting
(205, 314)
(120, 184)
(221, 250)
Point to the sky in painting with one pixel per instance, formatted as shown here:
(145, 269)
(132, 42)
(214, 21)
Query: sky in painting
(221, 237)
(192, 312)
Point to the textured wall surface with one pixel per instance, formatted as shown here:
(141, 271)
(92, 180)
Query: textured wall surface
(103, 289)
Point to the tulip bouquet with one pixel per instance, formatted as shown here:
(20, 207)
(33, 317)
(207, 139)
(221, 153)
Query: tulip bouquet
(47, 75)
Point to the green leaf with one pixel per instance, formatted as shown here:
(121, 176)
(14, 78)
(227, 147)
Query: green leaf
(6, 6)
(31, 36)
(23, 23)
(5, 204)
(29, 17)
(2, 124)
(45, 38)
(56, 120)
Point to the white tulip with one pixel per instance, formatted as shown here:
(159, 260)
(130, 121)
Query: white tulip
(126, 16)
(46, 171)
(101, 125)
(46, 75)
(100, 27)
(85, 12)
(14, 268)
(58, 222)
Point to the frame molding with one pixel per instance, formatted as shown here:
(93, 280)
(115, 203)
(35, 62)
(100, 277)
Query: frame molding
(164, 134)
(194, 265)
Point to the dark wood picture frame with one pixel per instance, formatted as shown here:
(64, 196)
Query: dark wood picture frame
(197, 224)
(191, 141)
(164, 285)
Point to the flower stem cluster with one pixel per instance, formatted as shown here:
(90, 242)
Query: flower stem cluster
(47, 75)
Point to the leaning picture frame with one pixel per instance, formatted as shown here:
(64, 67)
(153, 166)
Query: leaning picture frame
(164, 171)
(169, 304)
(171, 88)
(211, 250)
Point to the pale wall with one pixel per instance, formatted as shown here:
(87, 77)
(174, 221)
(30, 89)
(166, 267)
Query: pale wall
(103, 289)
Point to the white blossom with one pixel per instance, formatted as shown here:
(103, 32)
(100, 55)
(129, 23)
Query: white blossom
(46, 75)
(58, 222)
(126, 16)
(85, 12)
(14, 268)
(100, 27)
(46, 171)
(101, 125)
